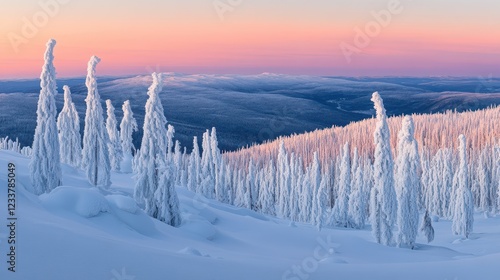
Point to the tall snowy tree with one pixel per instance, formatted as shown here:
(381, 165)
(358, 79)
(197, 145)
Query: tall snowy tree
(407, 184)
(194, 168)
(45, 165)
(114, 144)
(166, 197)
(207, 170)
(317, 203)
(68, 124)
(463, 215)
(358, 198)
(152, 152)
(128, 126)
(383, 205)
(342, 202)
(95, 154)
(283, 182)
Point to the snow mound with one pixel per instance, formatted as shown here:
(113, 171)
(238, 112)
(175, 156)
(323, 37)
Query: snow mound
(193, 252)
(198, 226)
(81, 201)
(124, 203)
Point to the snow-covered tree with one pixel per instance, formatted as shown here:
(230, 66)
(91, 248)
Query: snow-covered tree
(463, 216)
(152, 152)
(427, 228)
(322, 201)
(383, 205)
(342, 202)
(207, 168)
(407, 184)
(68, 124)
(358, 197)
(128, 126)
(266, 195)
(95, 154)
(283, 182)
(194, 168)
(114, 144)
(45, 165)
(166, 197)
(317, 204)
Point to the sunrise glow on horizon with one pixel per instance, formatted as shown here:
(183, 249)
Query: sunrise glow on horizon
(423, 38)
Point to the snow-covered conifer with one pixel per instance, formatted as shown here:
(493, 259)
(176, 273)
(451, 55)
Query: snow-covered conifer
(342, 203)
(407, 184)
(95, 154)
(152, 152)
(463, 216)
(427, 228)
(68, 124)
(383, 213)
(45, 165)
(114, 144)
(358, 198)
(128, 126)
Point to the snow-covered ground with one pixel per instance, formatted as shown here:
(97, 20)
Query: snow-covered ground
(79, 232)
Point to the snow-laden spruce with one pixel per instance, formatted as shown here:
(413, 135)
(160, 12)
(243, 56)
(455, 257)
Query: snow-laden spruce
(154, 188)
(207, 167)
(153, 151)
(45, 165)
(463, 215)
(358, 198)
(128, 126)
(68, 124)
(283, 182)
(114, 144)
(95, 154)
(344, 190)
(407, 184)
(193, 181)
(383, 200)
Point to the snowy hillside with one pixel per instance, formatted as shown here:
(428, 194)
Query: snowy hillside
(81, 232)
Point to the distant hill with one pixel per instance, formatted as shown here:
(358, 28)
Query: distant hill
(254, 108)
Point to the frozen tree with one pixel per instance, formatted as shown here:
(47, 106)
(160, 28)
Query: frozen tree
(283, 182)
(342, 203)
(208, 178)
(45, 165)
(177, 163)
(463, 215)
(317, 204)
(407, 184)
(68, 124)
(383, 205)
(114, 144)
(166, 197)
(357, 198)
(266, 195)
(427, 228)
(194, 168)
(95, 154)
(152, 152)
(128, 126)
(322, 201)
(170, 141)
(307, 198)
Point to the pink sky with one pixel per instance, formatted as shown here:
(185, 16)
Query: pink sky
(456, 38)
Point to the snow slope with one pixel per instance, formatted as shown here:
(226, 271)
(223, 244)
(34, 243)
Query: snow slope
(79, 232)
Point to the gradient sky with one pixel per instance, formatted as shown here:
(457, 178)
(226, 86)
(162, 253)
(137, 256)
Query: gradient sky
(428, 37)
